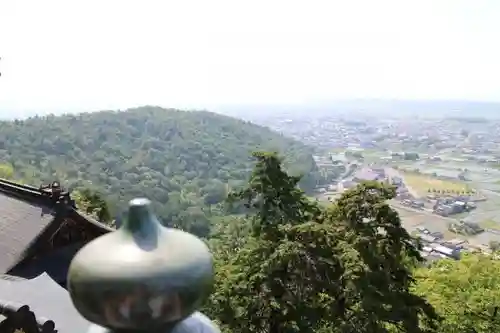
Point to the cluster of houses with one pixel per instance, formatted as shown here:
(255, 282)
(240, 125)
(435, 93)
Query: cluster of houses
(413, 203)
(453, 205)
(403, 194)
(434, 247)
(364, 174)
(379, 174)
(465, 228)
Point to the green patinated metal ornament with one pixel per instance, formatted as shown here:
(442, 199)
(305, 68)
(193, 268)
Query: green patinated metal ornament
(143, 277)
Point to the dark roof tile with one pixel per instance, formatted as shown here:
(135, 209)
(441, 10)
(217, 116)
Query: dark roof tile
(55, 264)
(20, 223)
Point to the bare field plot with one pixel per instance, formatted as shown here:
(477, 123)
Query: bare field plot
(411, 220)
(490, 224)
(422, 184)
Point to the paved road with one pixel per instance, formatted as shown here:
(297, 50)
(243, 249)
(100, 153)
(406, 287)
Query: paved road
(350, 169)
(427, 212)
(391, 172)
(489, 192)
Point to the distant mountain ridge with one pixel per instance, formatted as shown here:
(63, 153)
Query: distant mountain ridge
(424, 108)
(402, 107)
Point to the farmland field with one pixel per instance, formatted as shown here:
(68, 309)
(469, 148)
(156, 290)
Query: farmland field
(422, 184)
(411, 220)
(490, 224)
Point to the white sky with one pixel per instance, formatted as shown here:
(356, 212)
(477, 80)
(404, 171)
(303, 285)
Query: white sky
(72, 55)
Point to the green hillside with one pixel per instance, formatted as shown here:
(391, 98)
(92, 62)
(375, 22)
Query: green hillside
(185, 162)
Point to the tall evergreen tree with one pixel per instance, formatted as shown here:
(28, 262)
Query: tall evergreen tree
(261, 291)
(274, 198)
(385, 256)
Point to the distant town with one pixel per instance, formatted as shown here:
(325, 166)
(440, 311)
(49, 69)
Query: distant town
(446, 172)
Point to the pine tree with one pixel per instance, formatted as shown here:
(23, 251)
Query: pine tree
(385, 257)
(276, 282)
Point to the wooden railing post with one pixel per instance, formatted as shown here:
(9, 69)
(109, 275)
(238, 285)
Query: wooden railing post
(19, 318)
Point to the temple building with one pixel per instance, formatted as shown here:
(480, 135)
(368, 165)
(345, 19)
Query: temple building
(40, 232)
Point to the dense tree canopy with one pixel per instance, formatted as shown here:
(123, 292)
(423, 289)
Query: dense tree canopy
(299, 268)
(465, 292)
(185, 162)
(293, 266)
(92, 204)
(284, 264)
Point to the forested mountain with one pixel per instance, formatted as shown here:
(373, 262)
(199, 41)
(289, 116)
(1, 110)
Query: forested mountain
(185, 162)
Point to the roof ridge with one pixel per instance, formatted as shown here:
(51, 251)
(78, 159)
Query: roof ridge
(13, 183)
(28, 193)
(42, 195)
(34, 194)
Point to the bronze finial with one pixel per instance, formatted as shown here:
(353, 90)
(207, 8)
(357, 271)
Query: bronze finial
(143, 277)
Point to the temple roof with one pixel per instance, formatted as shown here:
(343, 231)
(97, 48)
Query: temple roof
(20, 224)
(55, 264)
(28, 214)
(29, 217)
(46, 299)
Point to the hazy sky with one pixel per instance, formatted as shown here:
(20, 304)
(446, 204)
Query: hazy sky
(81, 55)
